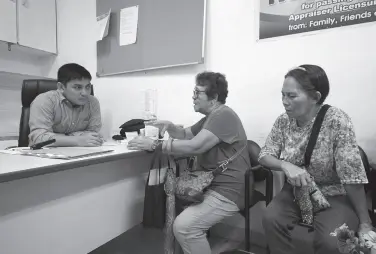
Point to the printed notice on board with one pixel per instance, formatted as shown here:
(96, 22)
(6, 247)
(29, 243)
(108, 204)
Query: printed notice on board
(103, 24)
(128, 25)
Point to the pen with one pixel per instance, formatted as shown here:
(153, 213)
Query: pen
(42, 144)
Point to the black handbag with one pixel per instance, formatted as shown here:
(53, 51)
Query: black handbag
(155, 197)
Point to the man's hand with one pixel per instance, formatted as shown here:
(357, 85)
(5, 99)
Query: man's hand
(162, 125)
(296, 175)
(89, 139)
(141, 143)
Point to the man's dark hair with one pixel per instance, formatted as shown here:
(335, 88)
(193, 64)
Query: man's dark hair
(312, 78)
(215, 84)
(72, 71)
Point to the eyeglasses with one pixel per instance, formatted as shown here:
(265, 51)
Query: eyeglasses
(197, 92)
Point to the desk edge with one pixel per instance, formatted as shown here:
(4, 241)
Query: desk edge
(12, 176)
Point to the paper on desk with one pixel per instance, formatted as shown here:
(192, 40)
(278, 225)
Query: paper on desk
(10, 152)
(65, 153)
(128, 25)
(103, 22)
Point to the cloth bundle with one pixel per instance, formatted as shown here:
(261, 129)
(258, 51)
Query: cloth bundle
(310, 201)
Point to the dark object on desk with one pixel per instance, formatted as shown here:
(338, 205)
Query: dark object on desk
(31, 88)
(117, 137)
(132, 125)
(42, 144)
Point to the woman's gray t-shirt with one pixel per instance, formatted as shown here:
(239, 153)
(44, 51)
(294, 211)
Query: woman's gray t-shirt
(227, 126)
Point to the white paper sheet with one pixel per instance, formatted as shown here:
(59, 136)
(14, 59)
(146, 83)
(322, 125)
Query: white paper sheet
(103, 22)
(128, 25)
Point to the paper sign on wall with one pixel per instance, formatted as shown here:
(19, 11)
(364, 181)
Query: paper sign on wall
(128, 25)
(285, 17)
(103, 22)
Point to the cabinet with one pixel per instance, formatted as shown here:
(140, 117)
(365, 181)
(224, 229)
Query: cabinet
(37, 24)
(8, 21)
(29, 23)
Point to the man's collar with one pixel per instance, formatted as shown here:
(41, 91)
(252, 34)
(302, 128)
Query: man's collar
(63, 99)
(61, 96)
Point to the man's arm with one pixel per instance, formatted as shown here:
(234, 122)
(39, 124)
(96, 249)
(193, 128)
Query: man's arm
(95, 121)
(41, 122)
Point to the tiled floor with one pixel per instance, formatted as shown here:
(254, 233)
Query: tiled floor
(150, 241)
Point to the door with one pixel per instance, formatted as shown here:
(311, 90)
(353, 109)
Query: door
(8, 21)
(37, 24)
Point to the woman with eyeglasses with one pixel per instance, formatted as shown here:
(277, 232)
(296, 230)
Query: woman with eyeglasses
(335, 165)
(215, 138)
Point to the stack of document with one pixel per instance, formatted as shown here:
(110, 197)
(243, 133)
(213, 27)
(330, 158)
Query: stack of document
(64, 153)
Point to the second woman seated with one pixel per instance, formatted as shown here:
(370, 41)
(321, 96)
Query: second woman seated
(218, 136)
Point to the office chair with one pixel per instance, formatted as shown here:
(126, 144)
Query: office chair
(371, 186)
(251, 196)
(31, 88)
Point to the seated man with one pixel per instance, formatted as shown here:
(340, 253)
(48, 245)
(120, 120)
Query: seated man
(69, 114)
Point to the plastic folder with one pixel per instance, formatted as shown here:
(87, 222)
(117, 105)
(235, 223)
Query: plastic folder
(65, 153)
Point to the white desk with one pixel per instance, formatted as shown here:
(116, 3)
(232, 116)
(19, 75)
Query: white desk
(14, 167)
(50, 206)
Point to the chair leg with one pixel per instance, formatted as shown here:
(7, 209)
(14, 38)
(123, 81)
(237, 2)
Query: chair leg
(247, 230)
(246, 210)
(269, 188)
(267, 250)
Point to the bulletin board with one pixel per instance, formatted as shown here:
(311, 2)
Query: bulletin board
(170, 33)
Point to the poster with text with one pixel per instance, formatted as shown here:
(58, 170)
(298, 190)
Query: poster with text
(284, 17)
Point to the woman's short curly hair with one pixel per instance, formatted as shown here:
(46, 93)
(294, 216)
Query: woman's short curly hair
(215, 84)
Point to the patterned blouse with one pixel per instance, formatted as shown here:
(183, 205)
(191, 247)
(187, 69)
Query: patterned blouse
(335, 159)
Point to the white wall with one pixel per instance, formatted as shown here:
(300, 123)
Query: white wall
(255, 73)
(254, 70)
(10, 103)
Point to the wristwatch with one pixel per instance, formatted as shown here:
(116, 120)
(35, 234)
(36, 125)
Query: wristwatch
(155, 144)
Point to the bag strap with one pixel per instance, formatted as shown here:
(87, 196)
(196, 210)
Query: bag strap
(314, 134)
(223, 165)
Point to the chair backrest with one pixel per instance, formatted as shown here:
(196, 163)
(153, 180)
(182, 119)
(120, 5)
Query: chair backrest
(254, 151)
(31, 88)
(367, 167)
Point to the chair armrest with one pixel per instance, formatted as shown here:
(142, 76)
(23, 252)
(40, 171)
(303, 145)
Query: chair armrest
(179, 159)
(261, 173)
